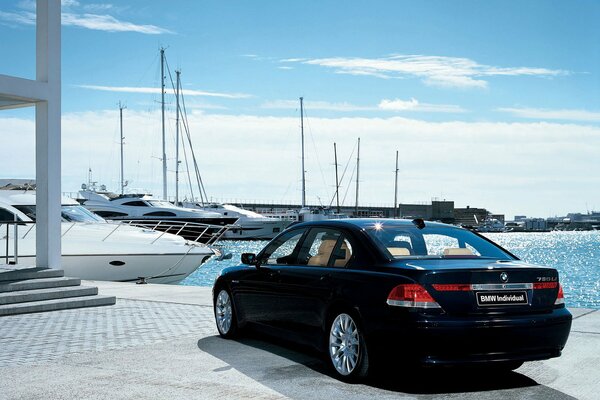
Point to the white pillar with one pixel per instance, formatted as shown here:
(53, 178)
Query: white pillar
(47, 135)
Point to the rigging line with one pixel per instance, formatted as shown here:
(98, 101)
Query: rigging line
(203, 196)
(348, 187)
(197, 169)
(314, 147)
(187, 168)
(344, 173)
(150, 66)
(187, 165)
(187, 131)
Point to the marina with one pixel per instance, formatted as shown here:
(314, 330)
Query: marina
(106, 292)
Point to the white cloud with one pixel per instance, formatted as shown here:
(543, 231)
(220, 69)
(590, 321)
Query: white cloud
(532, 168)
(415, 105)
(69, 3)
(107, 23)
(397, 105)
(292, 60)
(545, 114)
(23, 17)
(315, 105)
(151, 90)
(432, 70)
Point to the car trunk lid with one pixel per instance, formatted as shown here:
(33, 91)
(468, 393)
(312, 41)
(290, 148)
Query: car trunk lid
(490, 286)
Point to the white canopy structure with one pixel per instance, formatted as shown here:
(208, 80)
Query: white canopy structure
(45, 94)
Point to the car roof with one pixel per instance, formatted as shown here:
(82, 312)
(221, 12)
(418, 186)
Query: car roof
(362, 223)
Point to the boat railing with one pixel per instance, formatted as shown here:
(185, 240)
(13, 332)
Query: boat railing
(198, 232)
(14, 259)
(195, 231)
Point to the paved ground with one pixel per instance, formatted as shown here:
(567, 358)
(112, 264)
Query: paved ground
(159, 342)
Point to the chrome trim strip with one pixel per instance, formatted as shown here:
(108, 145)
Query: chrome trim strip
(501, 286)
(412, 304)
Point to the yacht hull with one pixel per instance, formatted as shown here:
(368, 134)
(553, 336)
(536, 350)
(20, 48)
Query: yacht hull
(259, 229)
(154, 268)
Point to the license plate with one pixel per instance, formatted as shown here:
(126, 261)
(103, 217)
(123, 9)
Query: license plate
(501, 298)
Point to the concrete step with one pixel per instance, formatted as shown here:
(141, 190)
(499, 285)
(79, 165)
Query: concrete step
(30, 273)
(57, 304)
(43, 283)
(37, 295)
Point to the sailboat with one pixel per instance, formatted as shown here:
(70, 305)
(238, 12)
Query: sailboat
(306, 213)
(249, 225)
(143, 209)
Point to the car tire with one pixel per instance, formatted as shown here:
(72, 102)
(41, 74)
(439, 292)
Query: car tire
(347, 348)
(225, 317)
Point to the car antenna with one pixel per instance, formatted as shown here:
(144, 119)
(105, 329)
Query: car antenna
(419, 223)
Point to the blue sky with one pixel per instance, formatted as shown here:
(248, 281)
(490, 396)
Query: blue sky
(492, 104)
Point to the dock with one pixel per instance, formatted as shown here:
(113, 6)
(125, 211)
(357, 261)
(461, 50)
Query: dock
(160, 342)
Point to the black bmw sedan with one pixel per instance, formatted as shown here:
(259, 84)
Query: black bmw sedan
(414, 291)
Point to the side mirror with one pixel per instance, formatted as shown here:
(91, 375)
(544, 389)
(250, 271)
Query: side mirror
(249, 258)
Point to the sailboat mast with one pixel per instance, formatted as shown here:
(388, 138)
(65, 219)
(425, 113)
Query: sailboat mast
(357, 171)
(162, 103)
(337, 182)
(121, 107)
(396, 189)
(303, 170)
(178, 73)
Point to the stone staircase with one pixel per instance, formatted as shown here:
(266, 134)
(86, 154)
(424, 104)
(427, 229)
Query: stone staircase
(33, 290)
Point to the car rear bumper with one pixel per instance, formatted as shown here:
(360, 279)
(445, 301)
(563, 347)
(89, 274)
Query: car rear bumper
(441, 339)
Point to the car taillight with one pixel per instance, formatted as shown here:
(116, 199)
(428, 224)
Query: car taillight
(411, 295)
(545, 285)
(560, 298)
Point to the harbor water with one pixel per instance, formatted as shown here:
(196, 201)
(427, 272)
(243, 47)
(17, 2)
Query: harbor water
(576, 255)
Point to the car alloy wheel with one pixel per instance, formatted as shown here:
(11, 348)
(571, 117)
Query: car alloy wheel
(347, 350)
(224, 314)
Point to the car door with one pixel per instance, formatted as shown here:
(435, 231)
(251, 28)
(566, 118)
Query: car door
(257, 290)
(307, 288)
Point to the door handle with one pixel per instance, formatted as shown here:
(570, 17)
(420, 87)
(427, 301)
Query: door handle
(325, 278)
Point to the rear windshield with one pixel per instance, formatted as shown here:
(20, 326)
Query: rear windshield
(405, 241)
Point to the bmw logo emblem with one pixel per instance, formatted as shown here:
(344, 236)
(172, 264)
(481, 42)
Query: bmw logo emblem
(504, 277)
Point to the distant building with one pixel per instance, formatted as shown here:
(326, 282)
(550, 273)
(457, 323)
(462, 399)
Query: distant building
(535, 224)
(520, 217)
(436, 211)
(471, 216)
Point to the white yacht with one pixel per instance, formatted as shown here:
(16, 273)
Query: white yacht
(491, 225)
(146, 210)
(94, 249)
(250, 225)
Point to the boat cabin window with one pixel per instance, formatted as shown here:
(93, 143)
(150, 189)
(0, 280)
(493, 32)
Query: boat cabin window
(70, 213)
(110, 214)
(160, 214)
(136, 203)
(27, 210)
(79, 214)
(6, 216)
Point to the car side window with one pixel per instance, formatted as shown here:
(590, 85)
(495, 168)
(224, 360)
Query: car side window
(326, 247)
(283, 251)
